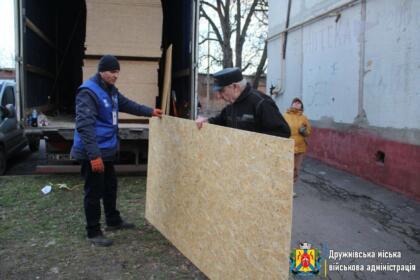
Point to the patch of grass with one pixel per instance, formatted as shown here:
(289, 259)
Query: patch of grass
(43, 235)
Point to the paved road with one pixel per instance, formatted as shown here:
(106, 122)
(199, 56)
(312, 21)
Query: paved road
(337, 211)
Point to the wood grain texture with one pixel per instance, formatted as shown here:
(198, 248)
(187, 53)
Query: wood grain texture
(126, 28)
(137, 81)
(222, 196)
(167, 78)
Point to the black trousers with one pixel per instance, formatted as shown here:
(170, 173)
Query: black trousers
(100, 186)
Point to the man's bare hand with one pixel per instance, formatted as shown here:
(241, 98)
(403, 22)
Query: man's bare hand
(199, 121)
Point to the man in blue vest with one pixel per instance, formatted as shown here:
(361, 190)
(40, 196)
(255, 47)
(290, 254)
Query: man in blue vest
(98, 102)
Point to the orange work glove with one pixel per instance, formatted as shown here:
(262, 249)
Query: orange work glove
(97, 165)
(157, 113)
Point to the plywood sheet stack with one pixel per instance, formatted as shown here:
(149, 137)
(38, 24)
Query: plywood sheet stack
(129, 29)
(222, 196)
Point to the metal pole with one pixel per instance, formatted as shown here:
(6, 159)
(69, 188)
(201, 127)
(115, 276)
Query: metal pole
(194, 51)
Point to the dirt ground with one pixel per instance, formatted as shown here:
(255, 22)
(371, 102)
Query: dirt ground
(43, 236)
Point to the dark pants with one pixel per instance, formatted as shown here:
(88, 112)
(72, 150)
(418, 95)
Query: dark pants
(97, 186)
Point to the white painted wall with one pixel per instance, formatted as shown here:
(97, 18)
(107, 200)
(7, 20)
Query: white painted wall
(331, 68)
(305, 9)
(300, 11)
(274, 64)
(323, 61)
(392, 64)
(277, 13)
(293, 68)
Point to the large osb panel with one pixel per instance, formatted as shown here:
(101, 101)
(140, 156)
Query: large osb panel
(137, 81)
(222, 196)
(125, 28)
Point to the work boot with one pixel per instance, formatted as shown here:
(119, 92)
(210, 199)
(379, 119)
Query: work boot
(100, 240)
(122, 225)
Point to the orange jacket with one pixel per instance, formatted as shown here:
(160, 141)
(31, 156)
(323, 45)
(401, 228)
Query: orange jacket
(296, 119)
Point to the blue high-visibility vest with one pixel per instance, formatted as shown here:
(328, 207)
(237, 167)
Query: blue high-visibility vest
(106, 126)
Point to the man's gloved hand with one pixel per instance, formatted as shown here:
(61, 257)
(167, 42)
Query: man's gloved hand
(157, 113)
(97, 165)
(302, 130)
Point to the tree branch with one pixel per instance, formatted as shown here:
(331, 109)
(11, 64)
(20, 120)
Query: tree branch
(221, 4)
(227, 7)
(218, 60)
(220, 8)
(208, 39)
(248, 19)
(260, 67)
(213, 25)
(210, 5)
(238, 35)
(246, 67)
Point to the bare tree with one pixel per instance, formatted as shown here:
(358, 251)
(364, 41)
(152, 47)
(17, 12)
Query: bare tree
(231, 19)
(261, 67)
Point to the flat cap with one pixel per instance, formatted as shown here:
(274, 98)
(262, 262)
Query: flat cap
(226, 77)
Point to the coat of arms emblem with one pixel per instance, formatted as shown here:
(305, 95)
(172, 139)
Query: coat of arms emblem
(305, 260)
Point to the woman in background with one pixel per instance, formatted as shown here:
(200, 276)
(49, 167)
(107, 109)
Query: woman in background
(300, 128)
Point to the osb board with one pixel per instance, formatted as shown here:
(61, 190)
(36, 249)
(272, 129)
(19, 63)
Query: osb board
(125, 28)
(137, 81)
(222, 196)
(166, 92)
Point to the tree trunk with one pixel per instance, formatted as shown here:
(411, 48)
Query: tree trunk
(226, 29)
(260, 68)
(227, 33)
(238, 46)
(227, 57)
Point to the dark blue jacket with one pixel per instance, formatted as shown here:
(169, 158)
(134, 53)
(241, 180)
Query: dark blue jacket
(106, 126)
(89, 114)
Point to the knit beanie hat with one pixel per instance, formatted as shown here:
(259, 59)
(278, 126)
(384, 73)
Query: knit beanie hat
(108, 63)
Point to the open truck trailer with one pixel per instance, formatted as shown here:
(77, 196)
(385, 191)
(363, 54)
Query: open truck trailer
(51, 52)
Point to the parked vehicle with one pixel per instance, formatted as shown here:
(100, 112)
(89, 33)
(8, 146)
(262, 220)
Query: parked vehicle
(12, 136)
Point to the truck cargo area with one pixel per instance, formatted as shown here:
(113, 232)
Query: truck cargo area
(52, 58)
(53, 35)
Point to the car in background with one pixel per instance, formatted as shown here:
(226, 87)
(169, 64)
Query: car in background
(12, 135)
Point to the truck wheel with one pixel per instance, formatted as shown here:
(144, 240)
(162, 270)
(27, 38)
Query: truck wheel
(2, 161)
(33, 144)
